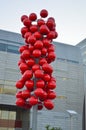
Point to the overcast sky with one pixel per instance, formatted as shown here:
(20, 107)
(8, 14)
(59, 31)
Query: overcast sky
(70, 16)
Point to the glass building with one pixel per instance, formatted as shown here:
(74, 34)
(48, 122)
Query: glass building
(69, 73)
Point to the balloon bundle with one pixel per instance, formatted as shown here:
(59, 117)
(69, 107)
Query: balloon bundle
(37, 84)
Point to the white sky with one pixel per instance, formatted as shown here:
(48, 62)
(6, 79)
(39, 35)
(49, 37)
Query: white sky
(70, 16)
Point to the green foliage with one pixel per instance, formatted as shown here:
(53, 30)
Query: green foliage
(53, 128)
(47, 127)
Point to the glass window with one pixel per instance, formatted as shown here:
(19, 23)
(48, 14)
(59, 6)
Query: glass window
(7, 82)
(11, 48)
(2, 47)
(9, 90)
(3, 128)
(1, 88)
(11, 128)
(12, 115)
(5, 114)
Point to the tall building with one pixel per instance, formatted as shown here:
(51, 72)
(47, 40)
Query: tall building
(70, 90)
(82, 46)
(11, 117)
(69, 73)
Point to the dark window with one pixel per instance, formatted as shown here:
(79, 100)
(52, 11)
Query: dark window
(9, 48)
(13, 49)
(3, 47)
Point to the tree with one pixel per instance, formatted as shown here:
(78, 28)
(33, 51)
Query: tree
(53, 128)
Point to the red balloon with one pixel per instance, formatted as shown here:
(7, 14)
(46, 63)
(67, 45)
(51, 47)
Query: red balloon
(43, 96)
(19, 94)
(48, 104)
(27, 106)
(30, 62)
(50, 24)
(33, 100)
(51, 95)
(24, 30)
(44, 30)
(51, 35)
(46, 42)
(33, 28)
(42, 61)
(52, 55)
(33, 16)
(21, 61)
(25, 94)
(27, 75)
(31, 39)
(51, 19)
(36, 53)
(40, 22)
(46, 89)
(27, 35)
(51, 48)
(22, 48)
(51, 84)
(37, 35)
(38, 92)
(31, 48)
(44, 13)
(47, 68)
(35, 67)
(49, 60)
(38, 74)
(53, 79)
(25, 54)
(40, 84)
(23, 17)
(46, 77)
(29, 84)
(56, 35)
(27, 22)
(20, 102)
(44, 51)
(40, 106)
(19, 84)
(38, 44)
(23, 67)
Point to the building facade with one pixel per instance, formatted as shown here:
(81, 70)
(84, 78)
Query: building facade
(82, 46)
(69, 74)
(11, 117)
(70, 90)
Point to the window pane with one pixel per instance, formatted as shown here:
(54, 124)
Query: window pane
(1, 88)
(3, 128)
(12, 115)
(4, 114)
(11, 128)
(9, 90)
(11, 48)
(2, 47)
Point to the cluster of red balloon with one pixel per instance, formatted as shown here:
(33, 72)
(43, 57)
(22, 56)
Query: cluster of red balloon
(37, 84)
